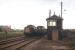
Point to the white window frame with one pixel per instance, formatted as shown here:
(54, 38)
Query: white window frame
(52, 23)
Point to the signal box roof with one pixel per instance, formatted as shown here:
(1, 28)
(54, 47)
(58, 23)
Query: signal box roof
(54, 17)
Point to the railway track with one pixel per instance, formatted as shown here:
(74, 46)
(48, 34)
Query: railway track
(18, 44)
(27, 44)
(11, 40)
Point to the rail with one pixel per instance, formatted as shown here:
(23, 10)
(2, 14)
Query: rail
(17, 44)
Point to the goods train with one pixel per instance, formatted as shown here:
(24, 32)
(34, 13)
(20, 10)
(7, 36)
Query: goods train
(31, 30)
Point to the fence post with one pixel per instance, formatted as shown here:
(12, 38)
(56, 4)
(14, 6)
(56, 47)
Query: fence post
(6, 35)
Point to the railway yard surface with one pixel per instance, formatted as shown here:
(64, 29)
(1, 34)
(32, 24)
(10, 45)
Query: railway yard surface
(33, 44)
(44, 44)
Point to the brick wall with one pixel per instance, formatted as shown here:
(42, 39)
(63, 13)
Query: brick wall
(55, 35)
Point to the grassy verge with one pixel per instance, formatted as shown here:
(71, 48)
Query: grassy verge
(10, 35)
(70, 41)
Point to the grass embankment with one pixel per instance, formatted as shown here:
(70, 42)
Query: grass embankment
(70, 41)
(3, 35)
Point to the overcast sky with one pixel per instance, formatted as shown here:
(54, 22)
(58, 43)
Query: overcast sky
(20, 13)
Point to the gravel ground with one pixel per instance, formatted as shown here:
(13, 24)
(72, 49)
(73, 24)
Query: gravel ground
(44, 44)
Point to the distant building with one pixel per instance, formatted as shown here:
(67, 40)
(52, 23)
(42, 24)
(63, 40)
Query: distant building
(5, 28)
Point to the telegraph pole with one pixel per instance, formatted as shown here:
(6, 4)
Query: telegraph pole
(49, 13)
(61, 8)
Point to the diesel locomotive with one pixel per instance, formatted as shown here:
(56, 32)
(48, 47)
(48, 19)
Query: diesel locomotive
(31, 30)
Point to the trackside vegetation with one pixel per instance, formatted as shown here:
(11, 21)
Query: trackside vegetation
(4, 35)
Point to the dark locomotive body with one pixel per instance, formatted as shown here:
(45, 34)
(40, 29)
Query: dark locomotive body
(31, 31)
